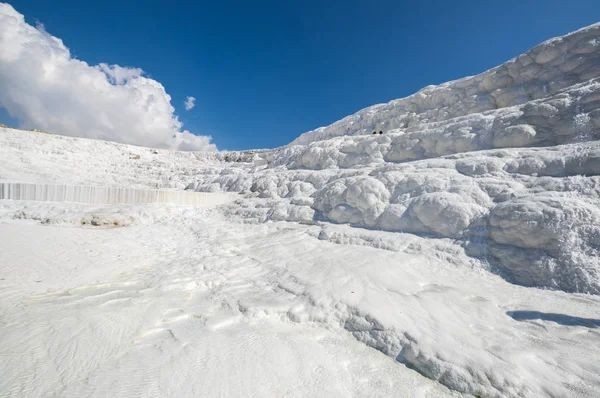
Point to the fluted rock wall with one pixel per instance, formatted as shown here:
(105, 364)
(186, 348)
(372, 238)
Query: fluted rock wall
(107, 195)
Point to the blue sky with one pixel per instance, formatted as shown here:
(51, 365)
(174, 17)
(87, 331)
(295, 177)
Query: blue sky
(263, 72)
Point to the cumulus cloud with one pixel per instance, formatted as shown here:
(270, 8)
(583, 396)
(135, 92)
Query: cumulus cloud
(190, 103)
(43, 87)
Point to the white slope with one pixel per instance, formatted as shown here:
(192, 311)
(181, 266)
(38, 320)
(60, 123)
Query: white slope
(32, 157)
(528, 89)
(506, 161)
(184, 302)
(418, 243)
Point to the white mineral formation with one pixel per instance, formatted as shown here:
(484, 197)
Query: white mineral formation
(463, 243)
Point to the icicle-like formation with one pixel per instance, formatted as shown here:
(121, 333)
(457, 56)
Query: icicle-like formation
(107, 195)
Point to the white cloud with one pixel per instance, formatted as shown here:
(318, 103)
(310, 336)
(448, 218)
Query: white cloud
(43, 87)
(190, 103)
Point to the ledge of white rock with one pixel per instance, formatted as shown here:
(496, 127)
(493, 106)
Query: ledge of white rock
(108, 195)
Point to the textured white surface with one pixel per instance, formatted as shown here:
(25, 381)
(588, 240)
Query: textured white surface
(185, 302)
(108, 195)
(498, 172)
(524, 101)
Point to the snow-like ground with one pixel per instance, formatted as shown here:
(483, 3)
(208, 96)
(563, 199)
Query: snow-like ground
(185, 302)
(456, 254)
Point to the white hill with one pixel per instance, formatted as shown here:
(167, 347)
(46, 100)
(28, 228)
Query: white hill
(464, 243)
